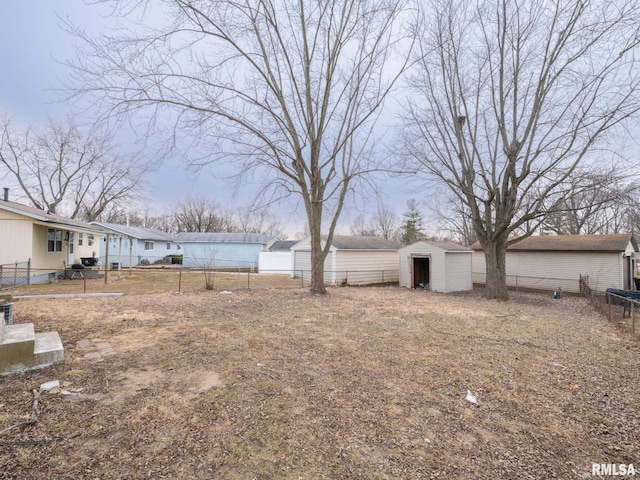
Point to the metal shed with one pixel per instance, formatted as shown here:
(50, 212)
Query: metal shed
(438, 266)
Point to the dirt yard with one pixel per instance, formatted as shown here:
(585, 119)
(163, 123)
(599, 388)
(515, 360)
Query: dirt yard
(367, 383)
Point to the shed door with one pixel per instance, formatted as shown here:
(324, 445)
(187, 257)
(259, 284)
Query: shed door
(421, 272)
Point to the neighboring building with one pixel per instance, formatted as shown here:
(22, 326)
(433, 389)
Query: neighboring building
(552, 262)
(352, 260)
(278, 259)
(37, 246)
(438, 266)
(223, 250)
(132, 246)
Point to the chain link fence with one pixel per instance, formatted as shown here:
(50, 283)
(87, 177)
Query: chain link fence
(175, 278)
(619, 309)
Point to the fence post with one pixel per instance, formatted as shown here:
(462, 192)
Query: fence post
(633, 318)
(15, 274)
(180, 279)
(84, 279)
(609, 302)
(302, 278)
(29, 272)
(382, 276)
(248, 279)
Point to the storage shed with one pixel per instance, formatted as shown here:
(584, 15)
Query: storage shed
(438, 266)
(352, 260)
(557, 261)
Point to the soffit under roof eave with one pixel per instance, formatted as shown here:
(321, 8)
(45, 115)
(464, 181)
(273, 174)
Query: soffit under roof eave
(73, 228)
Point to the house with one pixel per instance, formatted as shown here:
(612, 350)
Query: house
(278, 259)
(352, 260)
(438, 266)
(131, 246)
(223, 250)
(553, 262)
(38, 246)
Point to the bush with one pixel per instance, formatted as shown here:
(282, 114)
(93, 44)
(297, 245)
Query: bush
(145, 262)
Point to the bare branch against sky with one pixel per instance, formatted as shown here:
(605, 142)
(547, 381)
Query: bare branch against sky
(511, 97)
(287, 90)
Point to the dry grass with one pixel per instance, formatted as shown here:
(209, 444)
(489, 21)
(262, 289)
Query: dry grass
(364, 383)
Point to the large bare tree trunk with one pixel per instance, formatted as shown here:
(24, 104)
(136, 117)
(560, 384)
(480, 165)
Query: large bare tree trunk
(495, 259)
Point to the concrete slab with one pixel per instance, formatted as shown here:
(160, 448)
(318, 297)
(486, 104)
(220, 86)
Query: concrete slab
(20, 332)
(85, 344)
(48, 349)
(16, 348)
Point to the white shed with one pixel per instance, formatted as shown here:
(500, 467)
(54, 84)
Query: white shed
(438, 266)
(550, 262)
(352, 260)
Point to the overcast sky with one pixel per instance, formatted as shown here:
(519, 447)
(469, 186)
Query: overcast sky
(34, 46)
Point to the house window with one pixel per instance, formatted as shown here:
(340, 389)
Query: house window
(168, 245)
(80, 239)
(54, 240)
(148, 246)
(90, 239)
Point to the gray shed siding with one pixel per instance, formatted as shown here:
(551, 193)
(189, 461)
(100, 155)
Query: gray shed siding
(551, 270)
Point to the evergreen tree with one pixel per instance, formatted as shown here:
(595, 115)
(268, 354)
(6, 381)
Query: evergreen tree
(412, 225)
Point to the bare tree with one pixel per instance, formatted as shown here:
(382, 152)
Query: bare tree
(594, 201)
(360, 227)
(201, 215)
(511, 97)
(456, 220)
(258, 220)
(384, 223)
(288, 90)
(64, 170)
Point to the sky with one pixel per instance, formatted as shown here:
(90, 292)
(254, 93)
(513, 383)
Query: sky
(34, 48)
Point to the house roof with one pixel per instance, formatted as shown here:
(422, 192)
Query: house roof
(617, 242)
(211, 237)
(282, 245)
(448, 246)
(43, 217)
(136, 232)
(362, 242)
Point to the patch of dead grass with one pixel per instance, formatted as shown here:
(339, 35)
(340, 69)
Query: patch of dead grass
(363, 383)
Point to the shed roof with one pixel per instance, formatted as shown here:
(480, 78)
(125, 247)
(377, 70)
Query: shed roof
(362, 242)
(136, 232)
(220, 237)
(282, 245)
(44, 217)
(616, 242)
(447, 246)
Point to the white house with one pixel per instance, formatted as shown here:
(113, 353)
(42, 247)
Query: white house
(38, 246)
(352, 260)
(438, 266)
(552, 262)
